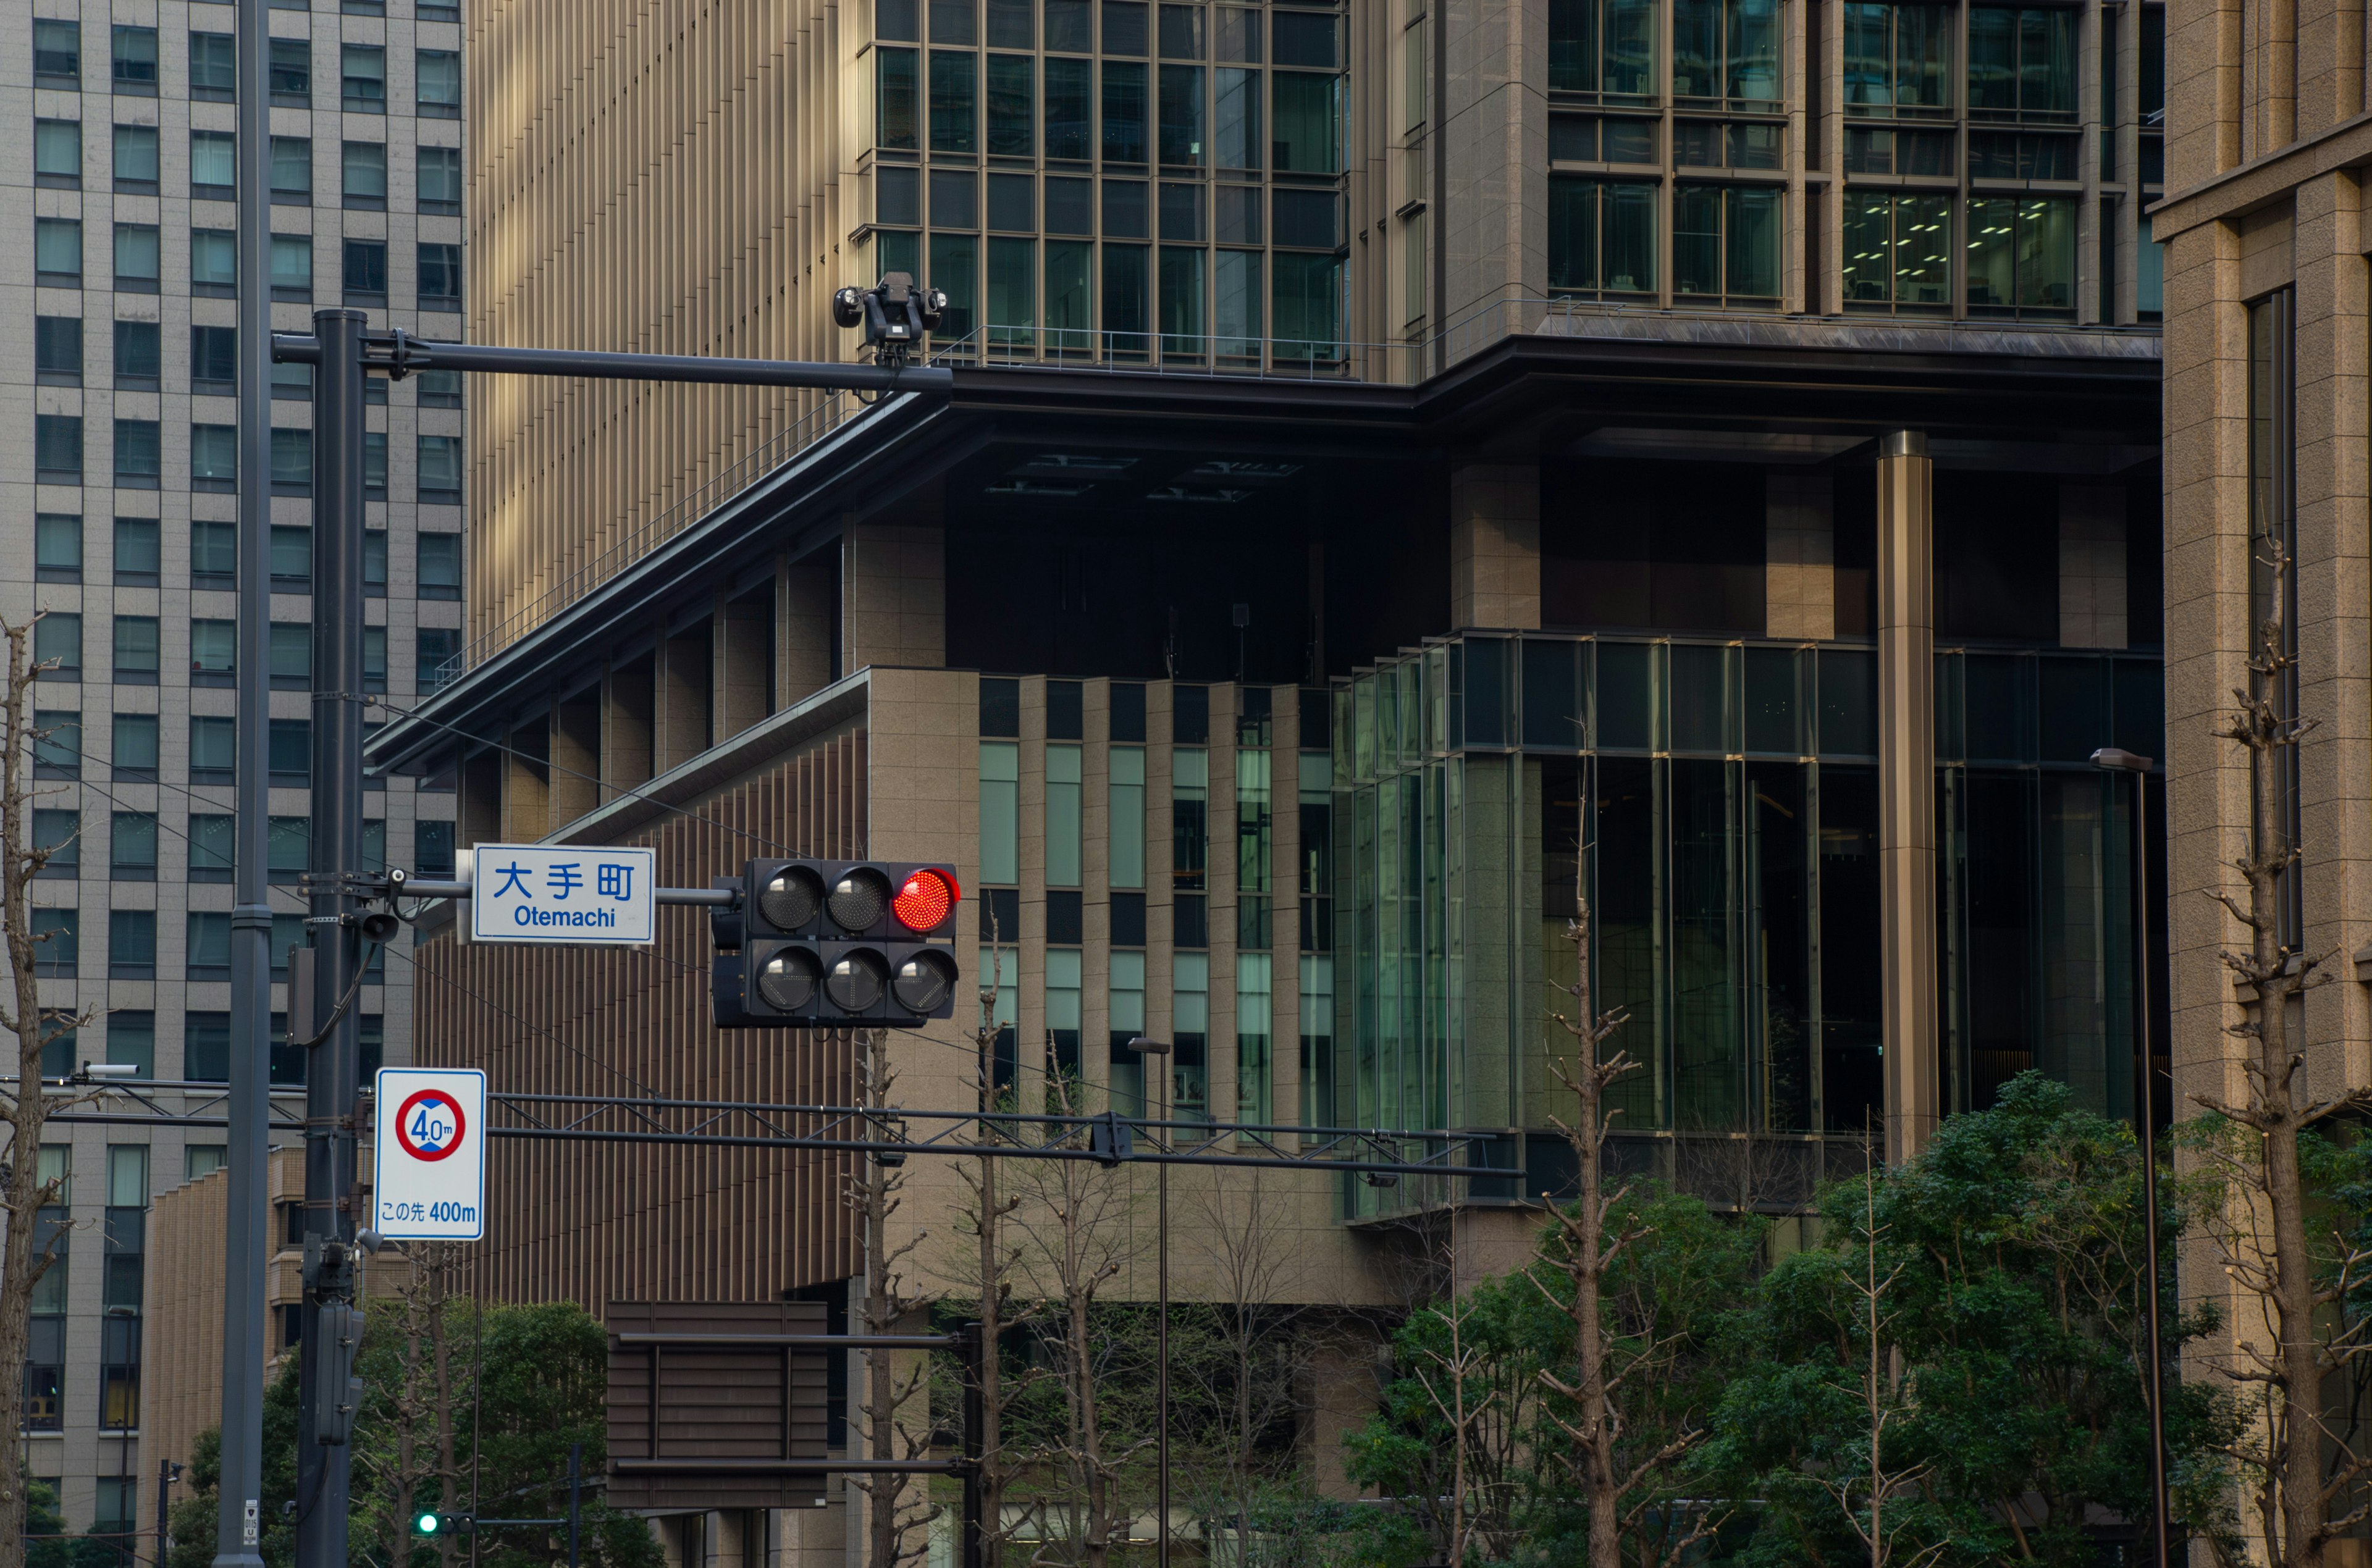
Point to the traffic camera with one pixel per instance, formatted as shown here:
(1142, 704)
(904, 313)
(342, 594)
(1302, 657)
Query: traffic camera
(895, 314)
(825, 944)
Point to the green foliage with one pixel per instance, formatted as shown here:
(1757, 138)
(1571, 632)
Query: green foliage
(539, 1384)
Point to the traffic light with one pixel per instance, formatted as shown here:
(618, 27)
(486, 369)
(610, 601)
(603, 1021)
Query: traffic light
(824, 944)
(440, 1524)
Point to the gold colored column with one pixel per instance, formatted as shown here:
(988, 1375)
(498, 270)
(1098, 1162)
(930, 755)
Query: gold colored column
(1906, 780)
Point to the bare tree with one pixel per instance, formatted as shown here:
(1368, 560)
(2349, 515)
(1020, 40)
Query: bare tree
(1880, 1390)
(1616, 1471)
(1484, 1421)
(414, 1396)
(1077, 1239)
(31, 1103)
(2310, 1470)
(895, 1529)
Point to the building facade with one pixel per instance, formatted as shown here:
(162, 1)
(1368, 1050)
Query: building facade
(118, 513)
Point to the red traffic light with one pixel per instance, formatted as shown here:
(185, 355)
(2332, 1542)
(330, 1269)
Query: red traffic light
(925, 900)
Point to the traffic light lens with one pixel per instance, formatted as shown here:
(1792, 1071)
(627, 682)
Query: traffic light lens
(427, 1524)
(792, 898)
(788, 981)
(925, 900)
(925, 982)
(854, 983)
(857, 901)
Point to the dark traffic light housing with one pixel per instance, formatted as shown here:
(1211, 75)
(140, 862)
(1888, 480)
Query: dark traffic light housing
(896, 314)
(831, 944)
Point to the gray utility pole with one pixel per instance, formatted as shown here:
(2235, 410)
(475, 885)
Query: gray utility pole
(240, 1522)
(334, 962)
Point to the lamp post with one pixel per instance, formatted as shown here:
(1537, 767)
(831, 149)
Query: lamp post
(1160, 1048)
(2116, 760)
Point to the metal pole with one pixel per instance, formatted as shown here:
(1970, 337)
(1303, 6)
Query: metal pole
(575, 1491)
(1161, 1373)
(323, 1470)
(2158, 1511)
(975, 1432)
(239, 1519)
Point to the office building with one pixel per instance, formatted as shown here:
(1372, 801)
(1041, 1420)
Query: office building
(1402, 461)
(117, 512)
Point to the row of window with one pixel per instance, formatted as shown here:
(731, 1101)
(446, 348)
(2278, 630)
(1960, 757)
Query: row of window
(138, 261)
(213, 759)
(1076, 298)
(213, 646)
(1898, 59)
(1185, 31)
(1176, 212)
(131, 952)
(1870, 149)
(138, 356)
(1195, 116)
(136, 166)
(134, 843)
(2017, 258)
(139, 458)
(213, 68)
(139, 556)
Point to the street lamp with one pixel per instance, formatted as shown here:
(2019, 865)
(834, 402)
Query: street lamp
(1160, 1048)
(2116, 760)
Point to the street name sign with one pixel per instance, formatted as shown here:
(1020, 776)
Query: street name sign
(571, 894)
(430, 1174)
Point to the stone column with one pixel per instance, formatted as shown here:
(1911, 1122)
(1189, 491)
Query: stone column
(806, 628)
(1906, 769)
(628, 754)
(893, 595)
(527, 804)
(576, 756)
(745, 659)
(2092, 610)
(1494, 546)
(1799, 552)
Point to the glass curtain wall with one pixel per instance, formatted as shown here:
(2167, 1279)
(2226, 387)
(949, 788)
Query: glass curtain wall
(1126, 180)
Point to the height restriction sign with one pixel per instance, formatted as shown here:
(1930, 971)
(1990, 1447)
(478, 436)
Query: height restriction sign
(431, 1166)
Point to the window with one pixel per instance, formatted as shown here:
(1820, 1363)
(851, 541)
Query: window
(57, 251)
(213, 747)
(139, 456)
(1602, 236)
(57, 643)
(214, 66)
(292, 170)
(1606, 48)
(955, 114)
(293, 382)
(1069, 89)
(2021, 258)
(375, 662)
(57, 936)
(437, 84)
(213, 165)
(2149, 276)
(1898, 60)
(897, 112)
(58, 832)
(1726, 51)
(366, 271)
(440, 463)
(213, 845)
(57, 547)
(435, 651)
(292, 655)
(137, 644)
(132, 943)
(136, 159)
(58, 350)
(135, 60)
(439, 388)
(57, 749)
(1123, 112)
(440, 565)
(57, 449)
(1012, 106)
(2022, 65)
(214, 548)
(213, 455)
(955, 198)
(134, 745)
(1309, 123)
(1701, 143)
(136, 258)
(365, 177)
(1726, 243)
(292, 267)
(439, 180)
(374, 465)
(57, 154)
(2004, 155)
(362, 74)
(292, 555)
(139, 355)
(291, 70)
(139, 551)
(1306, 220)
(289, 847)
(1873, 150)
(131, 847)
(214, 644)
(291, 757)
(292, 462)
(1126, 1005)
(1190, 1001)
(1897, 251)
(432, 848)
(57, 55)
(1124, 27)
(999, 812)
(1179, 125)
(955, 21)
(1237, 120)
(214, 359)
(213, 262)
(440, 277)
